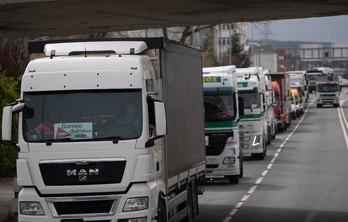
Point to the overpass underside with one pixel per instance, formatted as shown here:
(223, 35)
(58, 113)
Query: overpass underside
(31, 18)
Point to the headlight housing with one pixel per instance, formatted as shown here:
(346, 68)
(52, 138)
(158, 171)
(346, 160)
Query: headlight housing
(136, 203)
(31, 208)
(257, 140)
(229, 160)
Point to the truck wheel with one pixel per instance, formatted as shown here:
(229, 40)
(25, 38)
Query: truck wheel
(319, 105)
(241, 167)
(298, 114)
(336, 105)
(161, 212)
(280, 128)
(269, 135)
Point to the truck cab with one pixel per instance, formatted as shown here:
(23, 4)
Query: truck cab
(328, 91)
(222, 115)
(93, 142)
(253, 124)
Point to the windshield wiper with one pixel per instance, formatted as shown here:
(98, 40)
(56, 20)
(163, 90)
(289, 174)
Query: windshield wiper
(114, 139)
(49, 142)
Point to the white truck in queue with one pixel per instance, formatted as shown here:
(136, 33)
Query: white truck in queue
(312, 75)
(253, 124)
(110, 130)
(269, 102)
(222, 109)
(328, 91)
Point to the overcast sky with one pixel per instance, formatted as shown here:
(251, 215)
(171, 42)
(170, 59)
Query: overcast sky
(326, 29)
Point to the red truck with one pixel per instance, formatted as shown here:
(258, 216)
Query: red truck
(282, 107)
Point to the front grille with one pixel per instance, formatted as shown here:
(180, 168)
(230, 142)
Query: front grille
(83, 207)
(82, 171)
(217, 143)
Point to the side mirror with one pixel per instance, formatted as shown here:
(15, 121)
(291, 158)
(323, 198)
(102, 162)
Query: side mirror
(160, 119)
(7, 123)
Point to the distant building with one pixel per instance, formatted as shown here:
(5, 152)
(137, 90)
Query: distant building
(223, 34)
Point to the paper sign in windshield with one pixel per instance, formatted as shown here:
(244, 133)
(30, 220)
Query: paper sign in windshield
(74, 131)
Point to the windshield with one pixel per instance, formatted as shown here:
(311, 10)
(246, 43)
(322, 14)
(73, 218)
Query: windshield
(312, 77)
(219, 108)
(82, 115)
(251, 99)
(327, 87)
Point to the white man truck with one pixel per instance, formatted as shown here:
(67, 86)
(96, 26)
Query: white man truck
(222, 114)
(87, 166)
(328, 91)
(253, 124)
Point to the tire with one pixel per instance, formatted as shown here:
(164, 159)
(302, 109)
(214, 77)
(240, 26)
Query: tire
(161, 212)
(280, 128)
(319, 105)
(241, 167)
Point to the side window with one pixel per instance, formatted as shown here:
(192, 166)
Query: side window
(151, 111)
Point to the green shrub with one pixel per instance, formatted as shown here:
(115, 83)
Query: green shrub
(8, 94)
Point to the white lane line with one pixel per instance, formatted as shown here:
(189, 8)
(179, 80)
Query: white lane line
(343, 121)
(258, 181)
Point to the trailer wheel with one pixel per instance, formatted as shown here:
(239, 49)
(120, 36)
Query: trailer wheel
(161, 212)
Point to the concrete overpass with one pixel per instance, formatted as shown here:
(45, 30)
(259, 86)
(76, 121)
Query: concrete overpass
(32, 18)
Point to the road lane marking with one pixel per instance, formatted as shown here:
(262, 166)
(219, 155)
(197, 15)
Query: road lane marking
(343, 120)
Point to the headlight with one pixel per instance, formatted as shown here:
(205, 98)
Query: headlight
(31, 208)
(256, 140)
(136, 203)
(229, 160)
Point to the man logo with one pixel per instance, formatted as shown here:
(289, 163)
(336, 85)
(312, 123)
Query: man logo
(82, 172)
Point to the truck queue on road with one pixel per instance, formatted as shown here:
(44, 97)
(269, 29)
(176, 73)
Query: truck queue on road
(188, 124)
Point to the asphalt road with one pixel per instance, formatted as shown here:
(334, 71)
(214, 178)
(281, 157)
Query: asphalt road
(303, 178)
